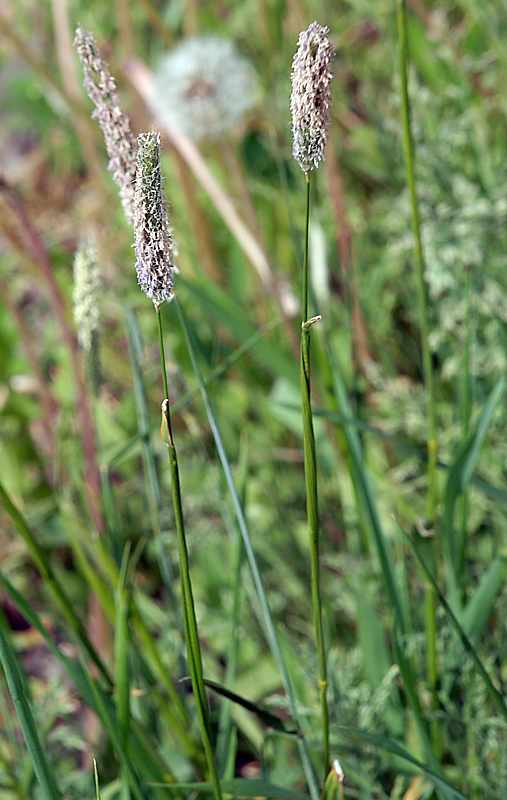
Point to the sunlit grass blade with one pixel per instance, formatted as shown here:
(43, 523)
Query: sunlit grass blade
(18, 689)
(53, 584)
(267, 618)
(98, 795)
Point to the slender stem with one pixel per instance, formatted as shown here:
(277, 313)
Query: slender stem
(312, 507)
(422, 299)
(191, 632)
(466, 411)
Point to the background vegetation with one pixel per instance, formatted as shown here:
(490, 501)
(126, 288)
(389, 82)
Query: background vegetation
(88, 550)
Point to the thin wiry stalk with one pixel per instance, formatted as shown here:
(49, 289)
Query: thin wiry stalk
(312, 506)
(191, 631)
(422, 300)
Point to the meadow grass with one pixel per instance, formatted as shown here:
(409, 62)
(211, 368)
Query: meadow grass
(221, 660)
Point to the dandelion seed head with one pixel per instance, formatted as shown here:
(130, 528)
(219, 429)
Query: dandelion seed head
(86, 292)
(119, 139)
(154, 246)
(311, 95)
(204, 87)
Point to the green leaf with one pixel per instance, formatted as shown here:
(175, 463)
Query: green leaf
(494, 693)
(267, 618)
(362, 487)
(18, 689)
(396, 749)
(264, 715)
(59, 595)
(98, 795)
(480, 606)
(140, 747)
(237, 787)
(458, 478)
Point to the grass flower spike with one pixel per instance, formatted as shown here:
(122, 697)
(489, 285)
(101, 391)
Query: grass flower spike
(86, 293)
(310, 99)
(120, 141)
(309, 104)
(153, 239)
(154, 264)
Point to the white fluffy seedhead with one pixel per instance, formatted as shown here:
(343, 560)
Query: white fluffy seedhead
(204, 87)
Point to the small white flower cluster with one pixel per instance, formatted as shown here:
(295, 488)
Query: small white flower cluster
(120, 141)
(86, 293)
(153, 244)
(204, 87)
(311, 95)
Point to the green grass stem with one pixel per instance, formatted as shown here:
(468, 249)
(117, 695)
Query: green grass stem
(312, 505)
(422, 301)
(265, 612)
(191, 631)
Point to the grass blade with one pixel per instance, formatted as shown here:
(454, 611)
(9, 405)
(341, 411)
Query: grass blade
(238, 787)
(363, 489)
(18, 690)
(269, 719)
(396, 749)
(139, 746)
(459, 477)
(496, 696)
(267, 619)
(98, 795)
(59, 595)
(151, 472)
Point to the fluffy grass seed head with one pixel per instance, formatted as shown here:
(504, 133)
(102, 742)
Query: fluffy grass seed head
(204, 87)
(120, 141)
(86, 292)
(311, 95)
(154, 246)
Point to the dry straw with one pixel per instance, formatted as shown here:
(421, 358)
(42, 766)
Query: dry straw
(115, 124)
